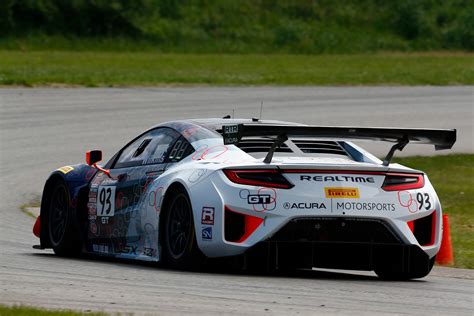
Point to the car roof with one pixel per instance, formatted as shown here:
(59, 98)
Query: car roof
(217, 123)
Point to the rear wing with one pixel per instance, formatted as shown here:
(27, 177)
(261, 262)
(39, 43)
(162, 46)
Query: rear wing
(440, 138)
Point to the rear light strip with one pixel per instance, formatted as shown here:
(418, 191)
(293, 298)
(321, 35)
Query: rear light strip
(273, 178)
(380, 173)
(403, 181)
(270, 178)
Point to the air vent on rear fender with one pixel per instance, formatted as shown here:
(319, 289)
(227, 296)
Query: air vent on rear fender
(258, 145)
(319, 147)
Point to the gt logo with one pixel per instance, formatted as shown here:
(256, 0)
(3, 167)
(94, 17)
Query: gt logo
(207, 216)
(262, 200)
(259, 199)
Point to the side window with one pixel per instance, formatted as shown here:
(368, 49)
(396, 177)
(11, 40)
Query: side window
(151, 148)
(181, 149)
(160, 146)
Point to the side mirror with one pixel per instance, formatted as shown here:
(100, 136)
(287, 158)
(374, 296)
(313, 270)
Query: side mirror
(93, 157)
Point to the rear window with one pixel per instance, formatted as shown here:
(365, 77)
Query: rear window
(300, 147)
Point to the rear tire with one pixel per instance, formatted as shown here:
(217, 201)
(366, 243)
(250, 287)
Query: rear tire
(396, 275)
(179, 245)
(61, 232)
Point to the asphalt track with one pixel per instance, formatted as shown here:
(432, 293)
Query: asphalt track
(42, 129)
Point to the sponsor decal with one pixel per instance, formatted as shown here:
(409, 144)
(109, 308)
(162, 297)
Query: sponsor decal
(93, 228)
(66, 169)
(92, 212)
(338, 178)
(360, 206)
(304, 205)
(342, 193)
(206, 233)
(100, 248)
(155, 160)
(129, 249)
(231, 134)
(207, 215)
(148, 251)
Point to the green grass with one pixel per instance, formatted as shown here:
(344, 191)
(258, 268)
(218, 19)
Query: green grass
(27, 311)
(87, 68)
(453, 179)
(35, 201)
(244, 26)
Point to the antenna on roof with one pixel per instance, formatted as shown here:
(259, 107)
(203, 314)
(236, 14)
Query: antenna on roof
(261, 110)
(233, 111)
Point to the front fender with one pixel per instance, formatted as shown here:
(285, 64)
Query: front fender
(77, 179)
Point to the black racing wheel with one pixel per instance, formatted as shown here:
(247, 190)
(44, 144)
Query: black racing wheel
(61, 233)
(179, 244)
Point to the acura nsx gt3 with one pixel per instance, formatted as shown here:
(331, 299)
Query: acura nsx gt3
(269, 194)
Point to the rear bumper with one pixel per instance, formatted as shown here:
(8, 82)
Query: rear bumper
(276, 255)
(309, 201)
(338, 243)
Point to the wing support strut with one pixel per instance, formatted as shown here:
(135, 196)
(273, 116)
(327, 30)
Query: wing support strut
(278, 142)
(402, 142)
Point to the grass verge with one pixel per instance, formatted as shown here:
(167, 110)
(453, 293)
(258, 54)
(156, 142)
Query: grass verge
(27, 311)
(453, 179)
(87, 68)
(33, 203)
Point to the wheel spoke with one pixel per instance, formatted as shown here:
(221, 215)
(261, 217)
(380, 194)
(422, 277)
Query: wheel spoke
(60, 201)
(58, 214)
(58, 229)
(179, 226)
(174, 233)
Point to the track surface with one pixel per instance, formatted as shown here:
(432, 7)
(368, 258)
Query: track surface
(42, 129)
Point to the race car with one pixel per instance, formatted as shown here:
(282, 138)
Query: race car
(264, 194)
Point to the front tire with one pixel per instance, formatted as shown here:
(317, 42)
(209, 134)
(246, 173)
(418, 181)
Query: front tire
(180, 250)
(61, 232)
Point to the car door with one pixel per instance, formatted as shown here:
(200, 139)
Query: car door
(117, 226)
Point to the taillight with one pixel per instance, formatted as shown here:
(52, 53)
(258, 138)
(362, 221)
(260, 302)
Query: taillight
(403, 181)
(270, 178)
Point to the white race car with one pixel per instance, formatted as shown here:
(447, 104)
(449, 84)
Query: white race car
(266, 194)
